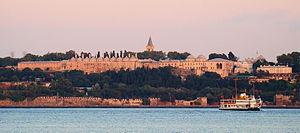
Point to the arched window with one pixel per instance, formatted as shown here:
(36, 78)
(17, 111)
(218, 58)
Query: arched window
(218, 66)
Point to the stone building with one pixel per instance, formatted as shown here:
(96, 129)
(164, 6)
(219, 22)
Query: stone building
(281, 100)
(198, 65)
(275, 69)
(243, 66)
(90, 65)
(277, 72)
(44, 65)
(200, 101)
(98, 64)
(201, 65)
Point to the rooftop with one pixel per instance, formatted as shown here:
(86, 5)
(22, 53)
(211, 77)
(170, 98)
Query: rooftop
(273, 66)
(219, 60)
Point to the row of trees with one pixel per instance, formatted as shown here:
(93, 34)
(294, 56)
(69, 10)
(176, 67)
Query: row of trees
(9, 61)
(139, 83)
(160, 55)
(155, 55)
(11, 75)
(290, 59)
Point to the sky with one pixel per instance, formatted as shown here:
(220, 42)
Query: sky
(200, 27)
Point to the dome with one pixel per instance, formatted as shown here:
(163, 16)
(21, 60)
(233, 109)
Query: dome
(201, 57)
(190, 57)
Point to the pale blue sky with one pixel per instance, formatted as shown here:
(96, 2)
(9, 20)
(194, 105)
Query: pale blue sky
(271, 27)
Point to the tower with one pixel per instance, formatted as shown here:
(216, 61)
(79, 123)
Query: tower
(150, 46)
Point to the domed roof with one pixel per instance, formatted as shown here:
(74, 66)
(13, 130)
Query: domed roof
(219, 60)
(201, 57)
(190, 57)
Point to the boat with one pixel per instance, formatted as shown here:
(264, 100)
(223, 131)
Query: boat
(243, 102)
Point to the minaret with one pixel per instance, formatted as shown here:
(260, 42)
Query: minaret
(150, 46)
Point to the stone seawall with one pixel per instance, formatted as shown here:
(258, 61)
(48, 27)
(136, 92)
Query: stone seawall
(70, 101)
(55, 101)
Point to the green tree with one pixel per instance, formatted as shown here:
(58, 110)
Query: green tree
(232, 57)
(177, 56)
(26, 75)
(291, 59)
(31, 57)
(2, 96)
(70, 54)
(17, 93)
(215, 55)
(63, 87)
(78, 78)
(259, 63)
(8, 61)
(155, 55)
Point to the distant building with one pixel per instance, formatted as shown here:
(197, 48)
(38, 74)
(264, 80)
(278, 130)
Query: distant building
(98, 64)
(200, 101)
(277, 72)
(7, 85)
(150, 46)
(282, 100)
(90, 65)
(201, 65)
(276, 69)
(243, 67)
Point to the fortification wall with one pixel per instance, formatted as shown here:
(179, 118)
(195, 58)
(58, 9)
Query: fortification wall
(71, 101)
(55, 101)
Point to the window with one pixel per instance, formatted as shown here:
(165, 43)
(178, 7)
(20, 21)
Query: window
(219, 66)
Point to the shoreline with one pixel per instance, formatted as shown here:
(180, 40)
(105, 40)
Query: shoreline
(144, 106)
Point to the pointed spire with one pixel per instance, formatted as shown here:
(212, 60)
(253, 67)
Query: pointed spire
(150, 46)
(150, 43)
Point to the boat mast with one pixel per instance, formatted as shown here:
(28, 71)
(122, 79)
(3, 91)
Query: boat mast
(235, 86)
(253, 87)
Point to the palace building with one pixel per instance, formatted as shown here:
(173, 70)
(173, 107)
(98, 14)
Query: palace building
(98, 64)
(277, 72)
(276, 69)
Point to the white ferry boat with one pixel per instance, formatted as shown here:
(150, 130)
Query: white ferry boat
(242, 102)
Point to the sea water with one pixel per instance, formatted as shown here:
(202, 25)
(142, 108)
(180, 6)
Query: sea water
(146, 120)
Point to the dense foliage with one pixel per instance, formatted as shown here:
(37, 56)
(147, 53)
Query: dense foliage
(8, 61)
(262, 62)
(230, 56)
(140, 83)
(160, 55)
(177, 56)
(155, 55)
(291, 59)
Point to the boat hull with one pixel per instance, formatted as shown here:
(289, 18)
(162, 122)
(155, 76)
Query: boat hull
(241, 109)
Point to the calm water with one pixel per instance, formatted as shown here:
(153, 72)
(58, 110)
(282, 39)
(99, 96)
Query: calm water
(142, 120)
